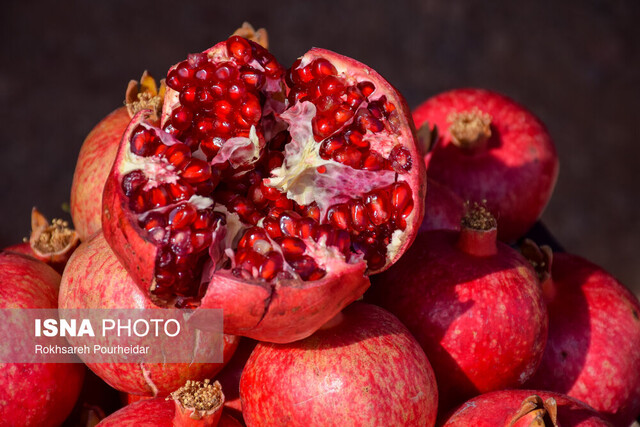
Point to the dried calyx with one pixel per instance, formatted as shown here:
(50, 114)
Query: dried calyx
(52, 242)
(145, 95)
(470, 129)
(536, 412)
(198, 400)
(478, 232)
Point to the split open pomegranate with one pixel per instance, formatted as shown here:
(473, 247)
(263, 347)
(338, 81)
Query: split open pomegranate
(268, 192)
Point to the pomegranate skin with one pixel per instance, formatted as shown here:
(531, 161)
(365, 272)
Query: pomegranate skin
(515, 172)
(443, 208)
(92, 169)
(594, 336)
(157, 412)
(364, 368)
(33, 394)
(481, 320)
(95, 279)
(497, 409)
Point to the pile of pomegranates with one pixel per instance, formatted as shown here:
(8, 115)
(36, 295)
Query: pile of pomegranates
(283, 195)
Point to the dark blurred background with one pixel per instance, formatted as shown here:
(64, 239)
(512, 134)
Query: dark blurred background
(64, 65)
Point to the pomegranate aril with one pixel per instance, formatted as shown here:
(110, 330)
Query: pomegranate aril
(272, 227)
(133, 181)
(249, 260)
(205, 74)
(236, 92)
(349, 156)
(326, 103)
(188, 96)
(182, 216)
(204, 126)
(274, 160)
(196, 171)
(226, 71)
(331, 85)
(373, 162)
(330, 146)
(138, 201)
(251, 77)
(240, 49)
(273, 69)
(289, 223)
(210, 146)
(180, 242)
(271, 266)
(400, 197)
(222, 127)
(366, 121)
(313, 211)
(307, 228)
(343, 242)
(180, 76)
(378, 207)
(400, 159)
(323, 126)
(178, 155)
(283, 202)
(356, 138)
(292, 247)
(153, 220)
(339, 216)
(251, 236)
(322, 67)
(301, 75)
(181, 118)
(205, 188)
(359, 218)
(143, 141)
(204, 98)
(305, 267)
(327, 233)
(204, 220)
(165, 258)
(366, 88)
(242, 206)
(158, 197)
(250, 109)
(354, 97)
(256, 196)
(200, 240)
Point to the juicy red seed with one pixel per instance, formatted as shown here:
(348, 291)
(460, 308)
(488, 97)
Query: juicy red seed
(222, 108)
(196, 171)
(132, 181)
(157, 234)
(222, 127)
(153, 220)
(205, 74)
(158, 197)
(307, 228)
(343, 242)
(284, 203)
(250, 109)
(339, 216)
(359, 220)
(331, 85)
(200, 240)
(322, 67)
(343, 114)
(205, 188)
(204, 126)
(376, 111)
(204, 220)
(272, 227)
(180, 76)
(354, 97)
(400, 197)
(180, 192)
(349, 156)
(298, 94)
(373, 162)
(204, 97)
(178, 155)
(188, 96)
(274, 160)
(400, 159)
(306, 267)
(239, 48)
(168, 128)
(273, 69)
(249, 259)
(272, 265)
(330, 146)
(251, 236)
(143, 141)
(251, 77)
(138, 201)
(236, 92)
(366, 121)
(301, 75)
(182, 216)
(226, 71)
(326, 232)
(210, 146)
(323, 127)
(256, 196)
(356, 138)
(313, 211)
(326, 103)
(378, 207)
(218, 89)
(242, 206)
(196, 60)
(292, 247)
(366, 88)
(181, 118)
(289, 223)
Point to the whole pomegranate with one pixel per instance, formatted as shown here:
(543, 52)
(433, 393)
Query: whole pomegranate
(362, 368)
(490, 148)
(52, 243)
(99, 150)
(443, 209)
(194, 404)
(523, 408)
(474, 304)
(33, 394)
(271, 194)
(94, 278)
(594, 336)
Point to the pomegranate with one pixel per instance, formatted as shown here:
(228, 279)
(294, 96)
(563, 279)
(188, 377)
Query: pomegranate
(362, 368)
(594, 335)
(266, 192)
(52, 243)
(33, 394)
(230, 375)
(520, 408)
(491, 148)
(95, 279)
(473, 303)
(195, 404)
(443, 209)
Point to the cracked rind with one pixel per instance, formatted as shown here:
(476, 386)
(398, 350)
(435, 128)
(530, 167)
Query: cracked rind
(94, 278)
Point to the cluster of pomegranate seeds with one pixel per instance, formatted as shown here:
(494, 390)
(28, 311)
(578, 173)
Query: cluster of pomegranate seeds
(220, 100)
(222, 95)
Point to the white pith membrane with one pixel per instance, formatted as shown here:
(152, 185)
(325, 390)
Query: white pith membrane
(304, 176)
